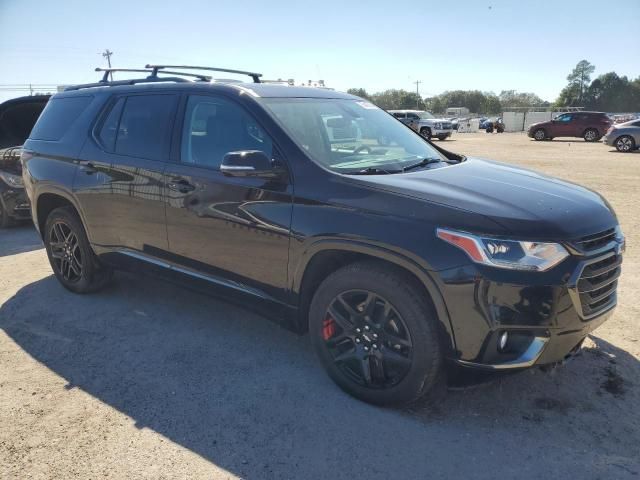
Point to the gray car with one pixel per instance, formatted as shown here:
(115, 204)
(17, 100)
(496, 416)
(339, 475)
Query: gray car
(624, 136)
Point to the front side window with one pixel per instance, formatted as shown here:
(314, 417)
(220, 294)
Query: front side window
(348, 136)
(566, 118)
(145, 126)
(214, 127)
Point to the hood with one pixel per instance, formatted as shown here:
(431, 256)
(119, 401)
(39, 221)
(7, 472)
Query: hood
(523, 202)
(430, 120)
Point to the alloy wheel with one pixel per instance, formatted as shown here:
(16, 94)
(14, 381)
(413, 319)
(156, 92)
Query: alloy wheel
(590, 135)
(367, 338)
(624, 144)
(539, 134)
(65, 251)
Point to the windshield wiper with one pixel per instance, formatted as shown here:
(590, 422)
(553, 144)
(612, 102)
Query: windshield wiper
(422, 163)
(372, 171)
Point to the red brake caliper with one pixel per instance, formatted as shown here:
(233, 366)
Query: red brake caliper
(328, 327)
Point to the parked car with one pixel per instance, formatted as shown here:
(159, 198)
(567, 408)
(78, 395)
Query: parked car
(424, 123)
(588, 125)
(482, 123)
(398, 259)
(17, 117)
(624, 136)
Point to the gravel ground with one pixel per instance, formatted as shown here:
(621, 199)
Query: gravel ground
(145, 380)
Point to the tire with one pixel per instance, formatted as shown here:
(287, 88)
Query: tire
(400, 349)
(426, 132)
(625, 143)
(72, 259)
(539, 134)
(591, 135)
(442, 138)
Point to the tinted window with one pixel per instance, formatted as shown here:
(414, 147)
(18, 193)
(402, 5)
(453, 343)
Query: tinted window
(413, 116)
(564, 118)
(109, 129)
(58, 116)
(214, 127)
(145, 126)
(398, 115)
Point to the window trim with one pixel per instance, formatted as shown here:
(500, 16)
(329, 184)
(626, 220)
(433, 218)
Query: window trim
(108, 106)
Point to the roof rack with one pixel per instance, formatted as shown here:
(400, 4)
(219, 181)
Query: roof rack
(153, 77)
(255, 76)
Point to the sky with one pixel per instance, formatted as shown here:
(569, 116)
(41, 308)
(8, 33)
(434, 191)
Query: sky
(488, 45)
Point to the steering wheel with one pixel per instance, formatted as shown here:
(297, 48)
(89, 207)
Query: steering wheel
(362, 148)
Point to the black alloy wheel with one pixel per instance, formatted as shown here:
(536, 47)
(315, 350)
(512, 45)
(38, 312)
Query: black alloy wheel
(65, 251)
(367, 339)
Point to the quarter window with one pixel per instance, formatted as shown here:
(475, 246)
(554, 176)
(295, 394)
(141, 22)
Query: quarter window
(214, 127)
(58, 116)
(145, 126)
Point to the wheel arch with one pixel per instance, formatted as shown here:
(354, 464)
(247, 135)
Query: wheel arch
(50, 199)
(326, 256)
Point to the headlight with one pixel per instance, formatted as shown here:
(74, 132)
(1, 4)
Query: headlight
(512, 254)
(12, 180)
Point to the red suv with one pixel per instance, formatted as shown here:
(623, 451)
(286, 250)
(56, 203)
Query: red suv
(589, 125)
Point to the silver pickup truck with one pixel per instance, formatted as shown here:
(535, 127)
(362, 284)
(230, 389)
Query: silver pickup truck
(424, 123)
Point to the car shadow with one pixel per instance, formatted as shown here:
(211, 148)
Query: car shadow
(19, 238)
(251, 398)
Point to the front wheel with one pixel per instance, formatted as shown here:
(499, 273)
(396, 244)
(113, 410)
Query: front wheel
(591, 135)
(5, 219)
(426, 132)
(625, 144)
(71, 257)
(376, 334)
(539, 134)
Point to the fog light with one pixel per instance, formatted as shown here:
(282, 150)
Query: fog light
(502, 341)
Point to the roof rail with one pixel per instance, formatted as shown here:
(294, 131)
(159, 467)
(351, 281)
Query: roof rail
(253, 75)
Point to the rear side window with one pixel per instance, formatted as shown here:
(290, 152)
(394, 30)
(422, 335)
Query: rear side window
(109, 129)
(58, 116)
(145, 126)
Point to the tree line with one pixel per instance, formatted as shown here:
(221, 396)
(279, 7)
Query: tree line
(608, 92)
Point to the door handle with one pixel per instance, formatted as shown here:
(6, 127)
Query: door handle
(88, 167)
(180, 185)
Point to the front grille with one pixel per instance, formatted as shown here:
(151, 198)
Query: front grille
(597, 285)
(446, 126)
(596, 240)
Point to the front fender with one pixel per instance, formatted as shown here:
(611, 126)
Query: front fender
(404, 260)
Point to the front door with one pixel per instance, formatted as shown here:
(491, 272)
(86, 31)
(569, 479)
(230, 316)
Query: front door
(564, 125)
(227, 227)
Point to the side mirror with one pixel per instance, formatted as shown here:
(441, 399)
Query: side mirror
(249, 163)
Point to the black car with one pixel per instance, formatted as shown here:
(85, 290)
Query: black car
(398, 258)
(17, 117)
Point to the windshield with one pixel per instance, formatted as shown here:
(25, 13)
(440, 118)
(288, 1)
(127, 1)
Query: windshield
(425, 115)
(348, 136)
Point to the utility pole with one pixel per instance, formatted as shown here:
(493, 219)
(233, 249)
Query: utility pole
(107, 54)
(417, 82)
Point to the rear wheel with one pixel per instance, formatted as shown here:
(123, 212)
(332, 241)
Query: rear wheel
(539, 134)
(376, 335)
(426, 132)
(625, 144)
(591, 135)
(71, 257)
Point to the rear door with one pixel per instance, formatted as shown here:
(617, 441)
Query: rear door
(228, 228)
(119, 182)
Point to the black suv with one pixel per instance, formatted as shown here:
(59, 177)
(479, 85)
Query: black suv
(397, 258)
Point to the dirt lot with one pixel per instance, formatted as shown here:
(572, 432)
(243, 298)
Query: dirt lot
(148, 381)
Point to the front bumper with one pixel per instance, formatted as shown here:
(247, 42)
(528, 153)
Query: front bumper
(15, 202)
(547, 315)
(441, 133)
